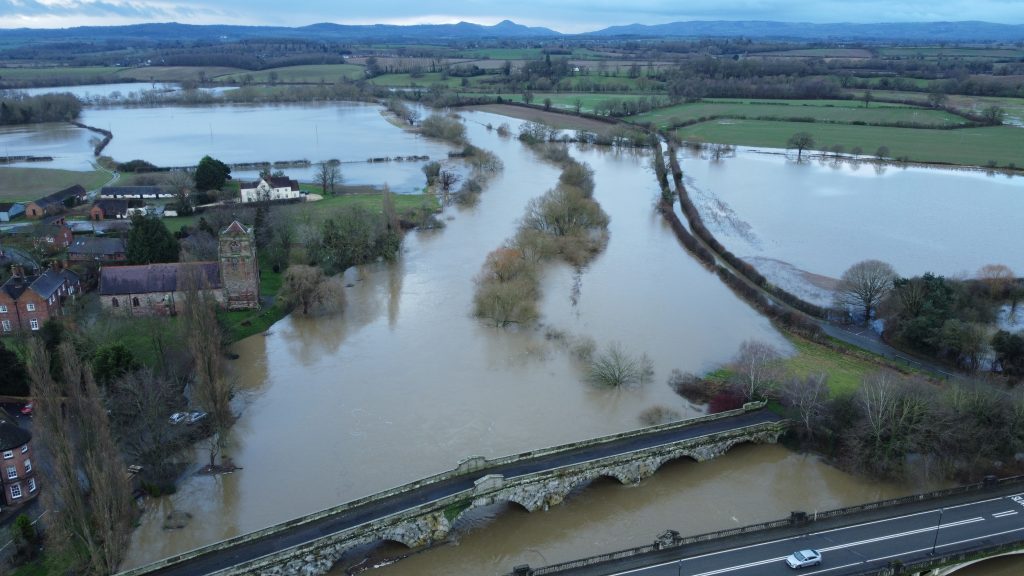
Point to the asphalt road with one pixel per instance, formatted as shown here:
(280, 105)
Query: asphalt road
(857, 548)
(218, 560)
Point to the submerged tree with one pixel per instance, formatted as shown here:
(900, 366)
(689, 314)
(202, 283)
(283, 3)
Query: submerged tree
(800, 141)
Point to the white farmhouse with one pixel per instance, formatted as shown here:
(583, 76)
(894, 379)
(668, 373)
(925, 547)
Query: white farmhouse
(273, 188)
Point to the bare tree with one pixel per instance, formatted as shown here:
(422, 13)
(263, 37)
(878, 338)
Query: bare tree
(140, 403)
(328, 176)
(447, 179)
(181, 184)
(88, 496)
(308, 290)
(800, 141)
(894, 421)
(998, 278)
(808, 397)
(864, 285)
(212, 389)
(755, 369)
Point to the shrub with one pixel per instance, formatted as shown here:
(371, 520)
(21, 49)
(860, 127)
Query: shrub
(659, 415)
(615, 367)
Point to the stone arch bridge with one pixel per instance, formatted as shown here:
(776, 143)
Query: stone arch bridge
(422, 513)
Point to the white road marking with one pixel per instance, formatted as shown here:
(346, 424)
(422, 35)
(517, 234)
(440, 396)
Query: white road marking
(901, 534)
(1004, 514)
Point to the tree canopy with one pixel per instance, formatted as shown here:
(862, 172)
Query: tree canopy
(149, 242)
(211, 174)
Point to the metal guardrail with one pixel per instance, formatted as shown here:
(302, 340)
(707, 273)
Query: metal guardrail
(791, 521)
(976, 552)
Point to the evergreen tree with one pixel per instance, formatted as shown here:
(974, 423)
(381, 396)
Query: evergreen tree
(211, 174)
(149, 241)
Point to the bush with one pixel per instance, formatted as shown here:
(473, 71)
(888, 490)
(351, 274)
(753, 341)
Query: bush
(659, 415)
(444, 128)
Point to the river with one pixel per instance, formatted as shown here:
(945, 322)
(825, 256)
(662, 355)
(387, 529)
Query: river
(406, 383)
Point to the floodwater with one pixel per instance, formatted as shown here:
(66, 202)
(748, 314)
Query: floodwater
(89, 91)
(406, 382)
(823, 217)
(181, 135)
(349, 132)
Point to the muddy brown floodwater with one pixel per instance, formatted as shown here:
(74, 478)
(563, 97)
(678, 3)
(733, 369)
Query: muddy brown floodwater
(406, 383)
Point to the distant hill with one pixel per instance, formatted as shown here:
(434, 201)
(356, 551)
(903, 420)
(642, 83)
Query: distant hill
(325, 31)
(909, 31)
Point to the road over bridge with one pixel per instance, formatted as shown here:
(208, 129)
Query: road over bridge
(421, 513)
(928, 535)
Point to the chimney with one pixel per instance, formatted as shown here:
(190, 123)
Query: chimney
(17, 271)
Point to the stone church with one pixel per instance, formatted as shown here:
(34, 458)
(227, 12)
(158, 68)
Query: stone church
(159, 289)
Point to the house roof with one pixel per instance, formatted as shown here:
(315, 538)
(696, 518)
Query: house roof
(111, 206)
(59, 197)
(16, 286)
(7, 206)
(91, 246)
(44, 284)
(13, 436)
(274, 182)
(148, 278)
(49, 281)
(130, 190)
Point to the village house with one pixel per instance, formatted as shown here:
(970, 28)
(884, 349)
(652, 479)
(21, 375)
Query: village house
(10, 210)
(270, 189)
(159, 289)
(28, 301)
(92, 249)
(136, 192)
(18, 476)
(116, 209)
(51, 235)
(56, 203)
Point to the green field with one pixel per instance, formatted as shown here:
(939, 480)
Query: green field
(845, 112)
(567, 100)
(936, 51)
(502, 53)
(24, 184)
(21, 74)
(424, 80)
(845, 372)
(310, 73)
(966, 146)
(820, 53)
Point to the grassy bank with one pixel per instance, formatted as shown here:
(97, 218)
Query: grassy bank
(24, 184)
(967, 146)
(308, 73)
(845, 371)
(244, 323)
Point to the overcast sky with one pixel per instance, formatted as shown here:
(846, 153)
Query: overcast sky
(563, 15)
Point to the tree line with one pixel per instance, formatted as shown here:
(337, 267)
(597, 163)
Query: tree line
(21, 109)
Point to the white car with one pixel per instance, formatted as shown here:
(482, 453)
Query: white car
(194, 417)
(804, 558)
(178, 417)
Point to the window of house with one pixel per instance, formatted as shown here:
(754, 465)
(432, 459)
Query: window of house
(3, 308)
(15, 491)
(31, 484)
(34, 324)
(8, 454)
(135, 302)
(28, 465)
(24, 448)
(30, 307)
(6, 325)
(113, 302)
(12, 472)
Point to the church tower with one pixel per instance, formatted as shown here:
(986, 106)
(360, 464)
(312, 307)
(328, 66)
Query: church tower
(239, 269)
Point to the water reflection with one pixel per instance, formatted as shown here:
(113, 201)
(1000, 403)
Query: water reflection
(406, 383)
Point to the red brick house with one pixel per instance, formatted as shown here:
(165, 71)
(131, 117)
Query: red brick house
(116, 209)
(56, 234)
(17, 472)
(56, 203)
(28, 301)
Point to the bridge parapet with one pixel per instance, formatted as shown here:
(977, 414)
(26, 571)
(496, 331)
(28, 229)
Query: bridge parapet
(429, 522)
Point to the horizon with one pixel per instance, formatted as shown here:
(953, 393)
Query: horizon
(568, 17)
